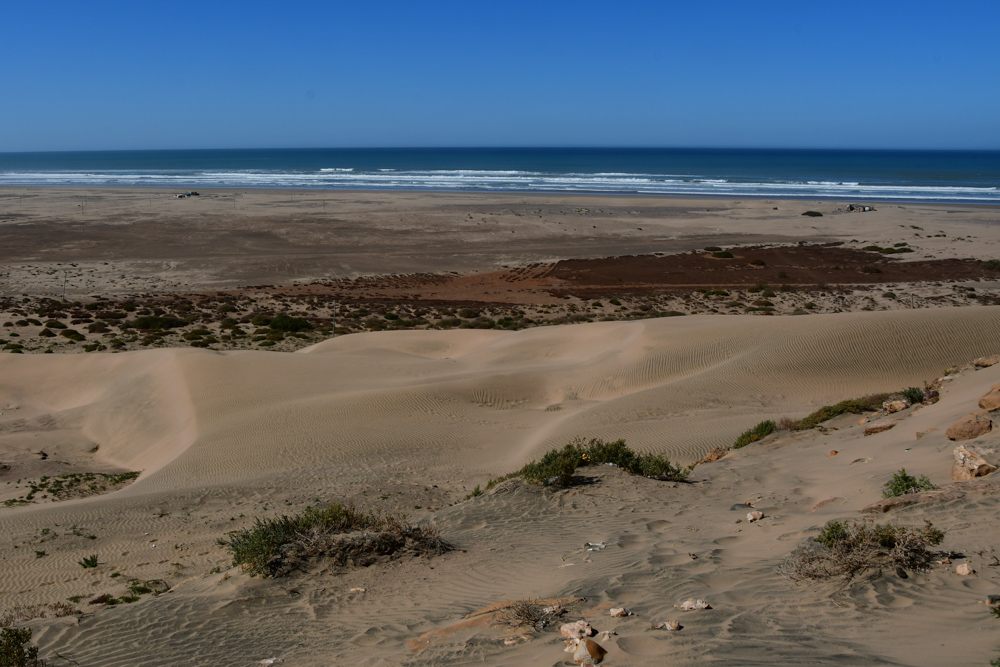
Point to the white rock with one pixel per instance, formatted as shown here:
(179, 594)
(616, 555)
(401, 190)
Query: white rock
(618, 612)
(667, 625)
(964, 569)
(755, 516)
(692, 604)
(577, 629)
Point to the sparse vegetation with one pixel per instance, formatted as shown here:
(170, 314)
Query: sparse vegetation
(13, 652)
(88, 561)
(521, 614)
(913, 395)
(813, 214)
(722, 254)
(847, 550)
(855, 406)
(901, 484)
(273, 547)
(557, 466)
(992, 264)
(758, 432)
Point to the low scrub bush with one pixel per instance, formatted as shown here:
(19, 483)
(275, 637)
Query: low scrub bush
(155, 323)
(991, 264)
(900, 484)
(288, 323)
(274, 547)
(914, 395)
(854, 406)
(813, 214)
(847, 550)
(13, 649)
(557, 466)
(722, 254)
(758, 432)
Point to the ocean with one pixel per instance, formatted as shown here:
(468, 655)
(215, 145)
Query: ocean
(861, 175)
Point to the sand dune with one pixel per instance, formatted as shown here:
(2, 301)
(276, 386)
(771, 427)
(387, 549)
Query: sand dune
(414, 419)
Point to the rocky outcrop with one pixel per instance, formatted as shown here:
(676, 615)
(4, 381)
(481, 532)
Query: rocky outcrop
(971, 426)
(969, 464)
(986, 362)
(898, 405)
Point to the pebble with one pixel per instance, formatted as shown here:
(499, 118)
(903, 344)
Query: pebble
(964, 569)
(618, 612)
(755, 516)
(833, 452)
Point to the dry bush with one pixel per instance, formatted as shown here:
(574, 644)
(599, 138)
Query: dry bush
(522, 614)
(20, 613)
(848, 550)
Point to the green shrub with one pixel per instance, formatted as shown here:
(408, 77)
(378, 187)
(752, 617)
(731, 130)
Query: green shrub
(288, 323)
(991, 264)
(13, 652)
(557, 466)
(155, 323)
(914, 395)
(901, 484)
(88, 561)
(272, 546)
(761, 430)
(722, 254)
(813, 214)
(855, 406)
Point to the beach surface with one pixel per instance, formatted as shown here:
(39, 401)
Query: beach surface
(419, 421)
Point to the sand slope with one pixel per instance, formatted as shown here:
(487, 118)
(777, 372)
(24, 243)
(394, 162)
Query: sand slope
(383, 418)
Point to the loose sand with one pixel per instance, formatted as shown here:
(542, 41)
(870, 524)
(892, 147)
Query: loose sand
(414, 420)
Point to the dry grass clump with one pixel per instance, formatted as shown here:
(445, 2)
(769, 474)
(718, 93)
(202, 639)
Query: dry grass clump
(21, 613)
(848, 550)
(521, 614)
(274, 547)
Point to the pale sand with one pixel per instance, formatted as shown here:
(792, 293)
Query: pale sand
(418, 418)
(128, 240)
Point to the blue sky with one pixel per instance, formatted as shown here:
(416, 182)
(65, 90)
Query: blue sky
(102, 75)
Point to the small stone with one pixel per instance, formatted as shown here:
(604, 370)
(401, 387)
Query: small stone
(357, 590)
(607, 635)
(964, 569)
(880, 426)
(553, 610)
(618, 612)
(864, 460)
(833, 452)
(692, 604)
(969, 464)
(901, 573)
(863, 420)
(991, 401)
(944, 561)
(754, 516)
(577, 629)
(970, 426)
(588, 652)
(667, 625)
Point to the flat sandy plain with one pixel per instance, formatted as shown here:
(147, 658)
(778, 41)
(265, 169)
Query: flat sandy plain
(414, 420)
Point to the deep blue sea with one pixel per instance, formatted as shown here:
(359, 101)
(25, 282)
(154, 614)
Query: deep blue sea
(956, 176)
